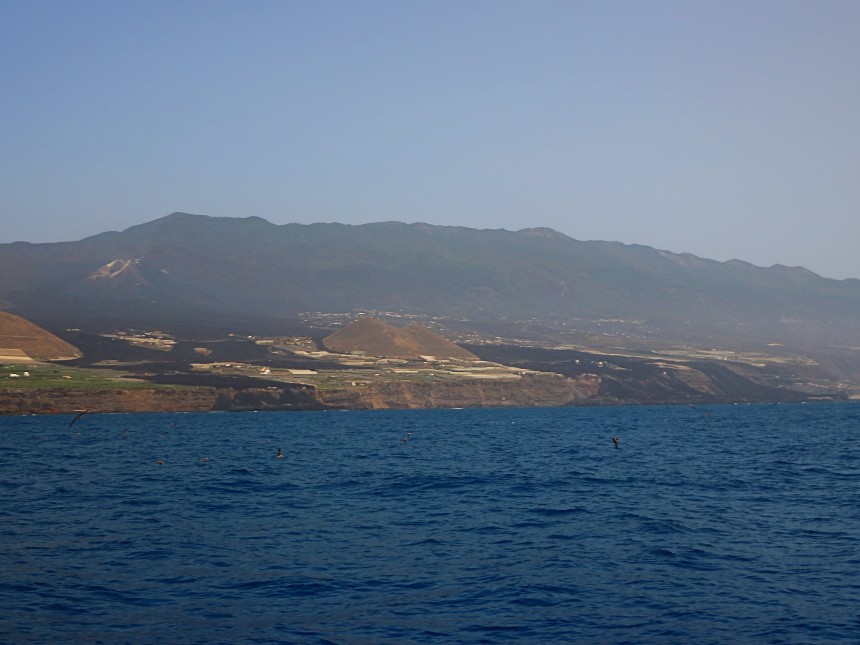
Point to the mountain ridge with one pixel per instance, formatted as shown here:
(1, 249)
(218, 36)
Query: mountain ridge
(537, 231)
(250, 266)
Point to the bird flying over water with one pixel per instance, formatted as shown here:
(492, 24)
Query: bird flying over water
(80, 414)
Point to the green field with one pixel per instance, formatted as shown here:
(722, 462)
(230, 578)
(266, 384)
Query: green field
(45, 376)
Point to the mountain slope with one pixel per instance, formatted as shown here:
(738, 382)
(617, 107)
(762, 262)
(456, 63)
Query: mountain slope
(375, 338)
(252, 267)
(125, 280)
(16, 333)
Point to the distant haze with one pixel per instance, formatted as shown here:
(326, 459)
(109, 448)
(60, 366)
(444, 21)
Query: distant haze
(724, 129)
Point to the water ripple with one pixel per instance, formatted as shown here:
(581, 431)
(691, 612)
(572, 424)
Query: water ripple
(488, 526)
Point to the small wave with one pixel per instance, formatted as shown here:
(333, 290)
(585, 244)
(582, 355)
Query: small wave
(534, 602)
(666, 527)
(540, 537)
(282, 587)
(428, 542)
(140, 502)
(174, 580)
(557, 512)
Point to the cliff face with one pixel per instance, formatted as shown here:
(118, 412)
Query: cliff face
(186, 399)
(267, 398)
(64, 401)
(528, 391)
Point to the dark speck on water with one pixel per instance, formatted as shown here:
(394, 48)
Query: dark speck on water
(498, 526)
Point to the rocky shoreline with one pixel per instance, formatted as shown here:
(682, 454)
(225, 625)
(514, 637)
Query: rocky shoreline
(536, 391)
(65, 401)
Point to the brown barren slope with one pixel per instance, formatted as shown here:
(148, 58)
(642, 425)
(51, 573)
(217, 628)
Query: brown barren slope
(375, 338)
(35, 342)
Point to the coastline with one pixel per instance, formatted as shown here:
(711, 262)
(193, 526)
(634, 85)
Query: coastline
(538, 391)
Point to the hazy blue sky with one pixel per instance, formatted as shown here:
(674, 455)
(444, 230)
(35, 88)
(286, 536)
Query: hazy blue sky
(725, 129)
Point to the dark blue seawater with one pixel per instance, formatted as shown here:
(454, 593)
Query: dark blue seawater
(722, 524)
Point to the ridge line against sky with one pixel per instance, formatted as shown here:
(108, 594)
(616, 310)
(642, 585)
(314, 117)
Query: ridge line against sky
(727, 130)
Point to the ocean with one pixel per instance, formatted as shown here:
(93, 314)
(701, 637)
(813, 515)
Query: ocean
(708, 524)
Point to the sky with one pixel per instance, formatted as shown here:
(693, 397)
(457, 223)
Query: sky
(724, 129)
